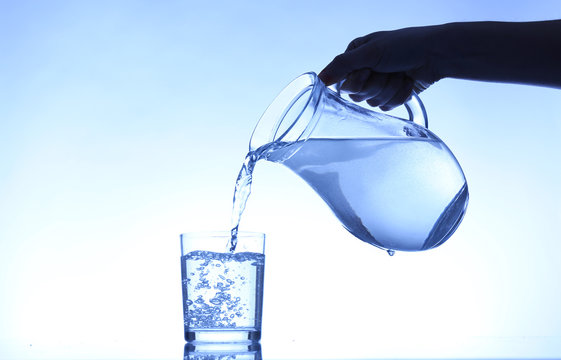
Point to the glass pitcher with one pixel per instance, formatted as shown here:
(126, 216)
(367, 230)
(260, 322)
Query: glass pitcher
(391, 182)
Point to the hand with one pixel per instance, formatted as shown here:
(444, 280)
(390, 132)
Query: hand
(383, 68)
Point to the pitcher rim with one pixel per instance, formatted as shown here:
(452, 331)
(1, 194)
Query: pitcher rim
(275, 115)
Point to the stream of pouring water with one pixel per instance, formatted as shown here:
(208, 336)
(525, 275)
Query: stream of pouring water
(243, 184)
(241, 194)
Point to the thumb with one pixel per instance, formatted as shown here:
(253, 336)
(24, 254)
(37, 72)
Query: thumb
(343, 64)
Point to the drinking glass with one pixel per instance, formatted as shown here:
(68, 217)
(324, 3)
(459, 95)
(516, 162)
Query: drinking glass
(222, 288)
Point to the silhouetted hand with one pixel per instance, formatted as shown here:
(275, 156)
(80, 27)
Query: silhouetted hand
(383, 68)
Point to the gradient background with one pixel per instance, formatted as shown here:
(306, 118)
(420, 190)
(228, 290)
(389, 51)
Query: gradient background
(124, 123)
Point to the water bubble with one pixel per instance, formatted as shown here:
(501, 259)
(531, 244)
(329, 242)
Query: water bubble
(188, 303)
(216, 301)
(391, 252)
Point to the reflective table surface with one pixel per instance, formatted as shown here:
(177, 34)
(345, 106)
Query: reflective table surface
(164, 349)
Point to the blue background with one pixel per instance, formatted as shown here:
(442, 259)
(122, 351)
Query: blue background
(124, 123)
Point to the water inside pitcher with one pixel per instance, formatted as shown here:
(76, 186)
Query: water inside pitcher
(391, 182)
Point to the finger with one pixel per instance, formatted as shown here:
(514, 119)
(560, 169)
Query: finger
(394, 83)
(373, 102)
(344, 64)
(393, 86)
(356, 80)
(373, 86)
(336, 70)
(401, 96)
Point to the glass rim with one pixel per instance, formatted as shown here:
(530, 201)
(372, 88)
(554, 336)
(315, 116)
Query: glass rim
(221, 234)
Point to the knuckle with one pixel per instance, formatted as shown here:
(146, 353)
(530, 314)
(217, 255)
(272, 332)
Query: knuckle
(339, 59)
(355, 43)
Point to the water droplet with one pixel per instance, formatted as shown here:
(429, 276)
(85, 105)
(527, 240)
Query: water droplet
(391, 252)
(189, 302)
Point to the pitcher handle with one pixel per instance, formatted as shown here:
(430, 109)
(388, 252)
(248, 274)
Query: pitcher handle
(414, 106)
(416, 110)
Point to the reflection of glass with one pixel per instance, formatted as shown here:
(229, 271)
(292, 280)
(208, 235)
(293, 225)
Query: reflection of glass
(222, 351)
(222, 289)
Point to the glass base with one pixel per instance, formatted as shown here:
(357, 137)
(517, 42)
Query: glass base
(217, 351)
(222, 336)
